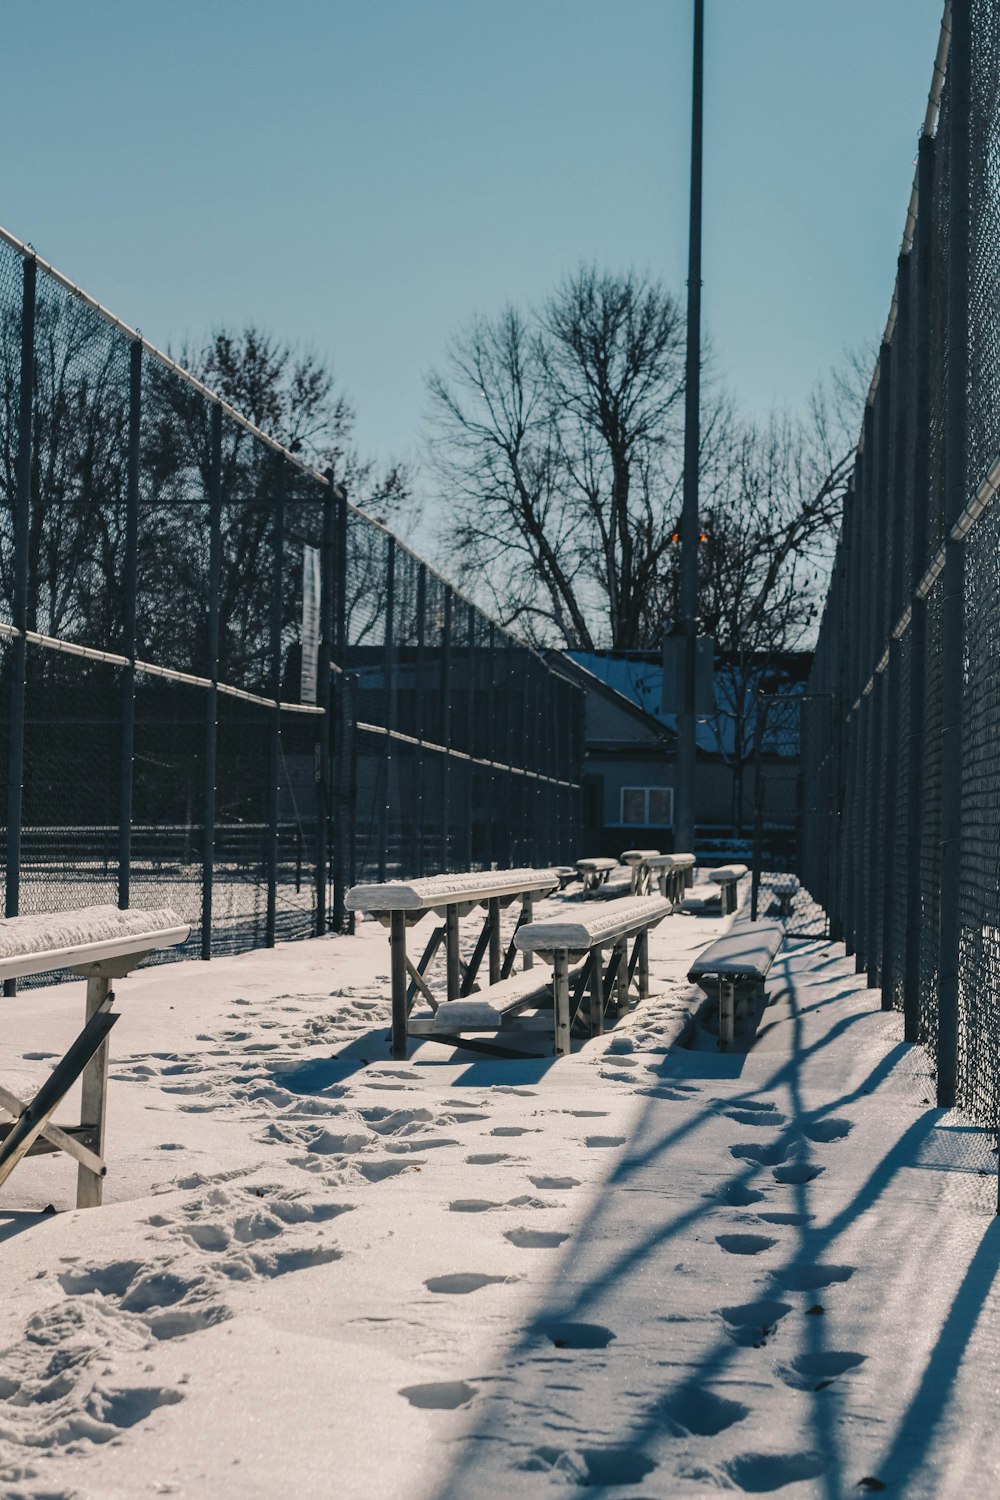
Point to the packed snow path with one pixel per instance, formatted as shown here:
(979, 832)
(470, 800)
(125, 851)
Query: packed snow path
(640, 1270)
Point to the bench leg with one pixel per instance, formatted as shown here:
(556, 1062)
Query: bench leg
(643, 943)
(496, 956)
(397, 972)
(452, 955)
(621, 1007)
(560, 994)
(726, 1014)
(527, 915)
(597, 993)
(93, 1099)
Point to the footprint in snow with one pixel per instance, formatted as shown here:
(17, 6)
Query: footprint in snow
(698, 1411)
(754, 1117)
(461, 1283)
(824, 1131)
(577, 1335)
(744, 1244)
(439, 1395)
(752, 1323)
(761, 1156)
(601, 1142)
(796, 1173)
(554, 1184)
(814, 1372)
(488, 1158)
(535, 1239)
(760, 1473)
(809, 1278)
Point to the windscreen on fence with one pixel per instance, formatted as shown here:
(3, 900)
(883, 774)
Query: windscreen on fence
(902, 836)
(224, 688)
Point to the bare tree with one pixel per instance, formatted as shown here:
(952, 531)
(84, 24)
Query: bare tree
(557, 439)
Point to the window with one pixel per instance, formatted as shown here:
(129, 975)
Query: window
(648, 806)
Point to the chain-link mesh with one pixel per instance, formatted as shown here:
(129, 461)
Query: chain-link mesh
(241, 694)
(914, 610)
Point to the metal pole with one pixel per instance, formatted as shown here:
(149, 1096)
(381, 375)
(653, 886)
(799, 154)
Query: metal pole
(470, 731)
(420, 710)
(917, 562)
(324, 698)
(880, 524)
(19, 648)
(686, 748)
(274, 780)
(956, 487)
(128, 623)
(388, 714)
(212, 697)
(446, 730)
(341, 753)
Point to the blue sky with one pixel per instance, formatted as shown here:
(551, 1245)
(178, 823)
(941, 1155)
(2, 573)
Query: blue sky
(359, 176)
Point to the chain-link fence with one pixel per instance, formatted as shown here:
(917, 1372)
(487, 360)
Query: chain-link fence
(224, 688)
(902, 842)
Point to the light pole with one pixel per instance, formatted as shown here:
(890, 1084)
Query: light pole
(684, 824)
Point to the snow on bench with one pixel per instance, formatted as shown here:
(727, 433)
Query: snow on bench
(595, 871)
(700, 897)
(398, 904)
(674, 872)
(485, 1010)
(727, 877)
(591, 928)
(735, 967)
(438, 892)
(637, 861)
(99, 943)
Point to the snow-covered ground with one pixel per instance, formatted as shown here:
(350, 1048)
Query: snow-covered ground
(644, 1270)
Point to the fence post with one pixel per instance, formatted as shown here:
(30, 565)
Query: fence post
(128, 623)
(470, 730)
(420, 715)
(344, 806)
(490, 710)
(324, 799)
(19, 651)
(212, 696)
(877, 708)
(446, 730)
(953, 605)
(917, 564)
(274, 780)
(388, 705)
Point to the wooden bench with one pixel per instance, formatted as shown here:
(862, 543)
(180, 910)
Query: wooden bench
(674, 873)
(637, 860)
(583, 935)
(727, 878)
(735, 967)
(99, 943)
(398, 904)
(595, 871)
(786, 888)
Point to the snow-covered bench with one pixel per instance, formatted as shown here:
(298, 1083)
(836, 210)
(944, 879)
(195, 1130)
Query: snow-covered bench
(674, 872)
(727, 878)
(398, 904)
(595, 871)
(735, 967)
(100, 943)
(592, 927)
(637, 861)
(786, 888)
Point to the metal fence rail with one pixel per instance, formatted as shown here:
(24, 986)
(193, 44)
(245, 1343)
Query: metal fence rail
(902, 837)
(222, 685)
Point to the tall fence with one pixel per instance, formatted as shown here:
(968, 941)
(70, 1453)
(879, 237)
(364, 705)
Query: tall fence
(903, 834)
(222, 687)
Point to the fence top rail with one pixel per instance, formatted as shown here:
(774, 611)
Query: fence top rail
(28, 252)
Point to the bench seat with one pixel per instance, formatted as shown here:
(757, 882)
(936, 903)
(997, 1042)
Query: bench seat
(437, 892)
(735, 967)
(700, 897)
(674, 873)
(727, 878)
(99, 943)
(786, 888)
(593, 926)
(488, 1009)
(399, 904)
(637, 860)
